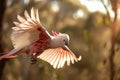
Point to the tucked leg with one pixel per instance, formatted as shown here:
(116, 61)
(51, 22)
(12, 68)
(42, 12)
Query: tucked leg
(33, 59)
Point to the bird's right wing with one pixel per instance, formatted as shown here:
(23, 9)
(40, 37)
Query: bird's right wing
(57, 57)
(28, 30)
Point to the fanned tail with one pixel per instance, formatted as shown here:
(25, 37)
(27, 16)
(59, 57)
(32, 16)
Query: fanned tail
(8, 54)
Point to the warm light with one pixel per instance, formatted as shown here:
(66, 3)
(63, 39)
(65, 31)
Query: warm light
(78, 14)
(55, 6)
(93, 5)
(26, 1)
(96, 5)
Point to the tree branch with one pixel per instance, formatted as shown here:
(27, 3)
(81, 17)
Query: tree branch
(106, 10)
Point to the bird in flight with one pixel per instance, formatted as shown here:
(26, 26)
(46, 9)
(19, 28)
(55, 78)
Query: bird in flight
(30, 37)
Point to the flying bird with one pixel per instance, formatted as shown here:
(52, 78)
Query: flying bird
(29, 36)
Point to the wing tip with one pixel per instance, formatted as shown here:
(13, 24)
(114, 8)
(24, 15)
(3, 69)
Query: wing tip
(79, 58)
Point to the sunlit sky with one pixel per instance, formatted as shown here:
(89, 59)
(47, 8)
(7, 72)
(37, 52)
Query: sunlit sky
(96, 5)
(93, 5)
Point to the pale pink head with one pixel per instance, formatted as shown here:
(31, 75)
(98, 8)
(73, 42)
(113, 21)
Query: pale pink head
(60, 39)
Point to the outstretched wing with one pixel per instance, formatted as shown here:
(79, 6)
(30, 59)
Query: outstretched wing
(28, 30)
(59, 56)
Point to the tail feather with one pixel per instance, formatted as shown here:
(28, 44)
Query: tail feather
(9, 54)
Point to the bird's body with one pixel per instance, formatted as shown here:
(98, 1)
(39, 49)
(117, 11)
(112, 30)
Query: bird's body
(30, 37)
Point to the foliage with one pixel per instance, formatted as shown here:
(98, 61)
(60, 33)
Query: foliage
(90, 37)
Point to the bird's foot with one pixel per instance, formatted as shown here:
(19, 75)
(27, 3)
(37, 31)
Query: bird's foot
(33, 59)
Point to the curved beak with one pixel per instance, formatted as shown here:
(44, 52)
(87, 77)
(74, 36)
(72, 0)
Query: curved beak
(66, 43)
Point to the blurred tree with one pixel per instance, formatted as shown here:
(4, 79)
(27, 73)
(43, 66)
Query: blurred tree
(2, 11)
(115, 8)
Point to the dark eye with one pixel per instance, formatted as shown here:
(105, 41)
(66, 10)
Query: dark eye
(63, 39)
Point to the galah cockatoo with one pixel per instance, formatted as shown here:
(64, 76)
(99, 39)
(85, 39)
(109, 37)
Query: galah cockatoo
(29, 36)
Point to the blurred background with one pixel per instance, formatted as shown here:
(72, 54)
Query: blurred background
(93, 26)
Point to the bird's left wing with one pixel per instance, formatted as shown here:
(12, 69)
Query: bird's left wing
(57, 57)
